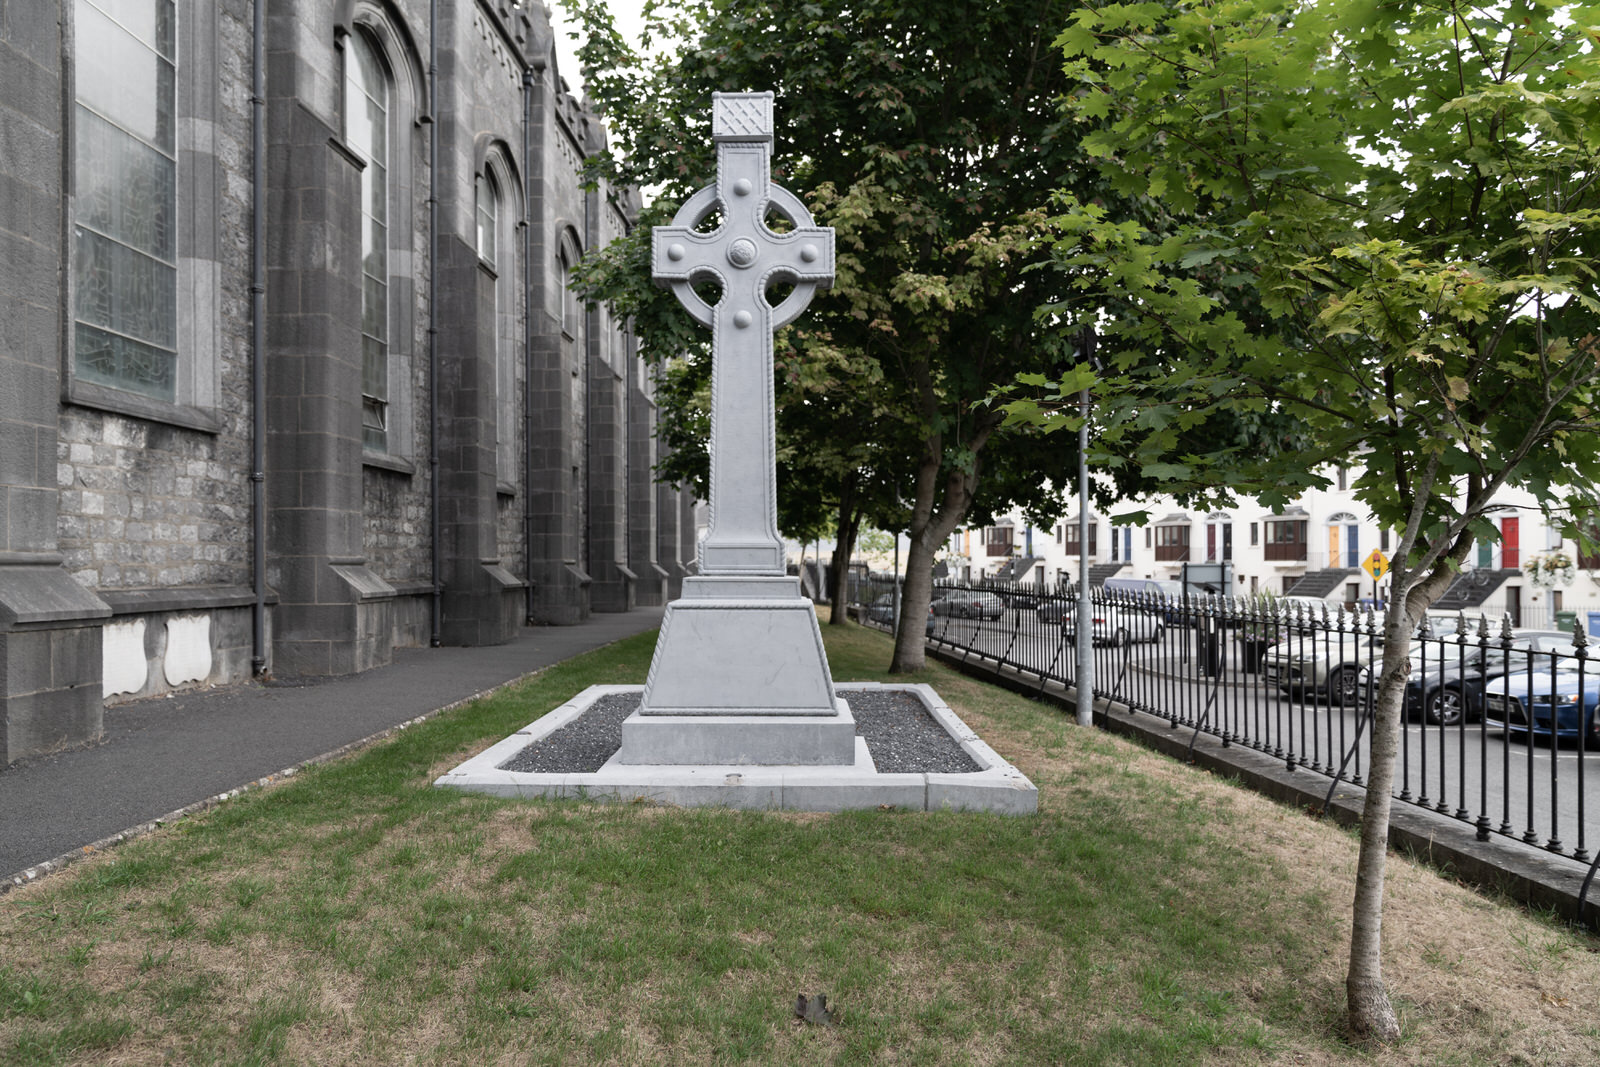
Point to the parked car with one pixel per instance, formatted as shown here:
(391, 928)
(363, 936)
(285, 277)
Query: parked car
(1321, 661)
(1310, 607)
(1518, 701)
(1018, 595)
(882, 609)
(1168, 588)
(1448, 677)
(1110, 624)
(1168, 591)
(967, 604)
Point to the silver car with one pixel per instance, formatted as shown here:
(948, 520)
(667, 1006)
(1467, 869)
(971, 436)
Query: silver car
(967, 604)
(1109, 624)
(1321, 661)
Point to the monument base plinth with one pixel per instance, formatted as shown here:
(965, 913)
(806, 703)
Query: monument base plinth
(740, 647)
(750, 740)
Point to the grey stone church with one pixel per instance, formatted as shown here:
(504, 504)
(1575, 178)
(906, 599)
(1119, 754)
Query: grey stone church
(290, 376)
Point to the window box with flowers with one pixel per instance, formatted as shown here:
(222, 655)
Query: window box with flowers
(1550, 569)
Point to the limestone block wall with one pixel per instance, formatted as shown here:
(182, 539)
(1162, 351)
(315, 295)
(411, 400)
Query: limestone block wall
(144, 504)
(148, 497)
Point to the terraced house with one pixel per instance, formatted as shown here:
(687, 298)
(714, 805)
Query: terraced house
(289, 373)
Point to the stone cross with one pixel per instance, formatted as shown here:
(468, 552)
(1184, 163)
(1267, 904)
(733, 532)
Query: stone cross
(745, 257)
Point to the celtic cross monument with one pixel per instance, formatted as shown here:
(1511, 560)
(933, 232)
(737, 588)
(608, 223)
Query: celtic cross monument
(739, 675)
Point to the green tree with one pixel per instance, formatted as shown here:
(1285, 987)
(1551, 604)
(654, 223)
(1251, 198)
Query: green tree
(928, 135)
(1375, 223)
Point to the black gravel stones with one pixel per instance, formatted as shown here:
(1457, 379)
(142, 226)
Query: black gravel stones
(901, 736)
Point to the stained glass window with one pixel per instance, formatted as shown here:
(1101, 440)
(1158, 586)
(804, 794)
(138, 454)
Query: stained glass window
(488, 218)
(124, 232)
(366, 117)
(493, 235)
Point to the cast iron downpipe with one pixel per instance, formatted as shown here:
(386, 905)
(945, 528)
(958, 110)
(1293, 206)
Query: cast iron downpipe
(436, 613)
(258, 343)
(527, 334)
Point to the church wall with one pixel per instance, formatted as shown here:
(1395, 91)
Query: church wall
(126, 554)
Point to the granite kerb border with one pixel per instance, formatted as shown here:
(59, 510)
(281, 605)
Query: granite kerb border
(997, 786)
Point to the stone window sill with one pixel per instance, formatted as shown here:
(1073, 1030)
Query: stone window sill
(384, 461)
(105, 398)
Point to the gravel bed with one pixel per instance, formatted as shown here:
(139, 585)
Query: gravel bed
(901, 736)
(583, 745)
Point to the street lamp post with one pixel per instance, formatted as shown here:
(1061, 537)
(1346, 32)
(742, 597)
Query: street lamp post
(1085, 675)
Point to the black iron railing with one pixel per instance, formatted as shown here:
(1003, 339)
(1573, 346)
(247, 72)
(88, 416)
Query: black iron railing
(1499, 724)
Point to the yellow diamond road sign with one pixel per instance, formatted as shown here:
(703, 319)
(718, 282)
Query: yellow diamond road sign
(1376, 564)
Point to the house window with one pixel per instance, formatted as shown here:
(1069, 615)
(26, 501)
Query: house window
(1255, 534)
(1172, 543)
(1071, 542)
(998, 540)
(367, 106)
(124, 240)
(1286, 539)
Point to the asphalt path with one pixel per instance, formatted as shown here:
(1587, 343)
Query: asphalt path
(161, 755)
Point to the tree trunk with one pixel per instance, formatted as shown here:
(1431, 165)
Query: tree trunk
(844, 544)
(910, 640)
(929, 528)
(1368, 1012)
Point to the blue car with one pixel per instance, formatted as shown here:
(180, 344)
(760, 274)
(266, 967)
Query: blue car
(1510, 701)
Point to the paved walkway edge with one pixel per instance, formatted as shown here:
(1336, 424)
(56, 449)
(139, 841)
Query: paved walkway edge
(105, 844)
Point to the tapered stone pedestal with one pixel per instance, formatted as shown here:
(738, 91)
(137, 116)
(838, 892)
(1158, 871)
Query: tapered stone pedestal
(740, 677)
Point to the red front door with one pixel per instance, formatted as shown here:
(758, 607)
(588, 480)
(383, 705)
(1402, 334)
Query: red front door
(1510, 555)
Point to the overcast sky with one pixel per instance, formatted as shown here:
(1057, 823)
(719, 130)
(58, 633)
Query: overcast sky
(626, 13)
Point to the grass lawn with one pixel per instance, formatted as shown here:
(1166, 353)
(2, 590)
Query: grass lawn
(1149, 914)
